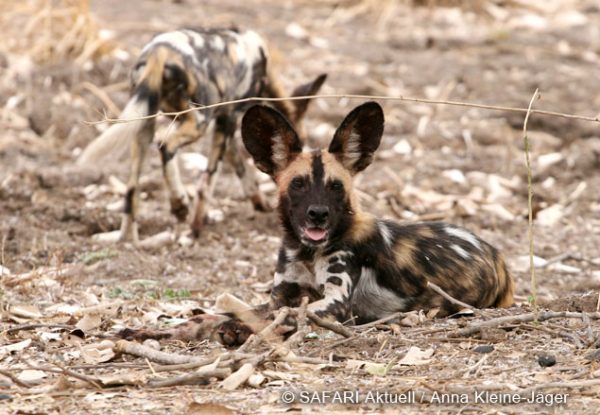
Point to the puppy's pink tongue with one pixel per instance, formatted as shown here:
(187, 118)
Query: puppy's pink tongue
(315, 234)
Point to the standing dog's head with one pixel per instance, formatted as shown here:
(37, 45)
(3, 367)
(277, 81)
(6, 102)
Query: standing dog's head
(316, 199)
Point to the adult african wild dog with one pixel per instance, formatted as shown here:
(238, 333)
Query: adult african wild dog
(181, 69)
(350, 264)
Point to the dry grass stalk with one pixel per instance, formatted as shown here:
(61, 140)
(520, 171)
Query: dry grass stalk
(360, 97)
(530, 205)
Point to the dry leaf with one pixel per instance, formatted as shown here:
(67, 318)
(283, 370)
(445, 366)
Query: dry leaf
(31, 375)
(89, 322)
(15, 347)
(415, 356)
(25, 311)
(255, 380)
(98, 352)
(411, 320)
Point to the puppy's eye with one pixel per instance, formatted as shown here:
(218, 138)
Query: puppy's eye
(336, 186)
(297, 183)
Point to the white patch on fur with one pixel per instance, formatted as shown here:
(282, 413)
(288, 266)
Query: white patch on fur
(386, 234)
(198, 38)
(465, 235)
(331, 291)
(297, 272)
(371, 300)
(280, 152)
(249, 47)
(352, 151)
(460, 251)
(177, 40)
(278, 278)
(217, 43)
(290, 254)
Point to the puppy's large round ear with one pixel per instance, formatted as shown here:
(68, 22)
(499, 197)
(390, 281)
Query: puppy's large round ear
(269, 138)
(358, 136)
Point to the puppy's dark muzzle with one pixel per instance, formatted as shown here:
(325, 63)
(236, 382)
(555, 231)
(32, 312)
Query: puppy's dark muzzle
(318, 215)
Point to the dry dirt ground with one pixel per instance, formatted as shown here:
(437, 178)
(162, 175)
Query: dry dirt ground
(459, 164)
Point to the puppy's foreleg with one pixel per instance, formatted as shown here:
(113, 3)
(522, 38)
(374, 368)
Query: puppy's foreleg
(333, 273)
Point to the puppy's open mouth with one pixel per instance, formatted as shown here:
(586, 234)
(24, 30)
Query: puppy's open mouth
(314, 234)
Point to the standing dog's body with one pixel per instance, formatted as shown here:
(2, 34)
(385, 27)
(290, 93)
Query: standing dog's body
(177, 71)
(350, 264)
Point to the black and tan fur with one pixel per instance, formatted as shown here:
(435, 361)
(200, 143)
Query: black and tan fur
(176, 71)
(352, 265)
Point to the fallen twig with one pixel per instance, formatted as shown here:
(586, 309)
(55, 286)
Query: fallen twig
(381, 320)
(334, 326)
(453, 300)
(23, 327)
(200, 376)
(139, 350)
(521, 318)
(266, 333)
(15, 379)
(238, 377)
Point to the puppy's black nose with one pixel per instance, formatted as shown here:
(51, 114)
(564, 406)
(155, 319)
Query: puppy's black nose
(318, 214)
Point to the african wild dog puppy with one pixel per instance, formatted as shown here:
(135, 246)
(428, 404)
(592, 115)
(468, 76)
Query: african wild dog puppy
(353, 266)
(176, 71)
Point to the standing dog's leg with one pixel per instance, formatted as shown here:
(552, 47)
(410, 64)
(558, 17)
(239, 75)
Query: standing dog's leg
(191, 129)
(247, 175)
(139, 149)
(224, 129)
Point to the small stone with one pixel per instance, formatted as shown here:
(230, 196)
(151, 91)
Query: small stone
(546, 360)
(484, 348)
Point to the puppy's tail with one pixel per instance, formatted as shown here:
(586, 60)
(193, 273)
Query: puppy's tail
(115, 140)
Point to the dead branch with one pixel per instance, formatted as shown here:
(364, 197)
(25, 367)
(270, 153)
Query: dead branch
(267, 333)
(24, 327)
(453, 300)
(139, 350)
(521, 318)
(301, 332)
(362, 97)
(198, 377)
(68, 372)
(334, 326)
(238, 377)
(87, 379)
(15, 379)
(394, 316)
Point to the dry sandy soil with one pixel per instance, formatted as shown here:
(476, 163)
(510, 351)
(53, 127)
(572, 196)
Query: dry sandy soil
(459, 164)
